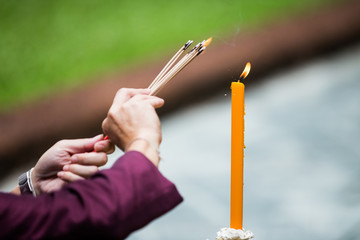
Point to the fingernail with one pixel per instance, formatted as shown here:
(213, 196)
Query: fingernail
(66, 168)
(60, 174)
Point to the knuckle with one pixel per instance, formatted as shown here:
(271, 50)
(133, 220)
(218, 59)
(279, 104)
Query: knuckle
(126, 107)
(120, 91)
(123, 91)
(61, 143)
(139, 97)
(111, 114)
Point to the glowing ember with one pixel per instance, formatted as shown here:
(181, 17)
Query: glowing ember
(207, 42)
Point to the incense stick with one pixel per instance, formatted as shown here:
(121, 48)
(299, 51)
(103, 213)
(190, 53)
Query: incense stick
(171, 62)
(172, 73)
(167, 74)
(175, 67)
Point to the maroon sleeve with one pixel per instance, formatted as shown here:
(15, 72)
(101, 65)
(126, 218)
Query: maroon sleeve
(112, 204)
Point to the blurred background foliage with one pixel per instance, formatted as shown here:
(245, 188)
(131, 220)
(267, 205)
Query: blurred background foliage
(47, 46)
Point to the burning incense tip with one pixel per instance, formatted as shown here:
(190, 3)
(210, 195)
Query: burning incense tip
(207, 42)
(245, 72)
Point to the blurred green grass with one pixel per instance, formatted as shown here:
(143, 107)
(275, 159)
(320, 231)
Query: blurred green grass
(47, 46)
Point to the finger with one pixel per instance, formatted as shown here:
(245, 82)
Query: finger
(125, 94)
(154, 101)
(105, 146)
(69, 176)
(81, 170)
(80, 145)
(91, 158)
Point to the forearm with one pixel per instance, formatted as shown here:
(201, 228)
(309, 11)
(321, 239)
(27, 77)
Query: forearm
(114, 203)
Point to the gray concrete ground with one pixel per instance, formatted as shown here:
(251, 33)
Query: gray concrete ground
(302, 162)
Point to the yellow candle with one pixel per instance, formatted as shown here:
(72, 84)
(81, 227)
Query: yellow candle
(237, 154)
(237, 150)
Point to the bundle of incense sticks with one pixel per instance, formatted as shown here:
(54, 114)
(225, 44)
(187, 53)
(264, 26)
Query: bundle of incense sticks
(171, 69)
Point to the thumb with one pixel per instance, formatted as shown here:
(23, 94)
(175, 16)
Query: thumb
(80, 145)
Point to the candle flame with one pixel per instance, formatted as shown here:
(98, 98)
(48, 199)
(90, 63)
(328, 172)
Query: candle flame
(245, 72)
(207, 42)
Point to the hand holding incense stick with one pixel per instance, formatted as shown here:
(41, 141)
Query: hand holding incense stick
(168, 73)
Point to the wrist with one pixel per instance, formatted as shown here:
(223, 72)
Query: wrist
(146, 147)
(34, 182)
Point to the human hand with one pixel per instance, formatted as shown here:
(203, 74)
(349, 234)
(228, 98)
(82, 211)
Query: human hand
(69, 160)
(132, 122)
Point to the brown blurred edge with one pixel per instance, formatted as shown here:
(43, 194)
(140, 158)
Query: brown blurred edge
(26, 133)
